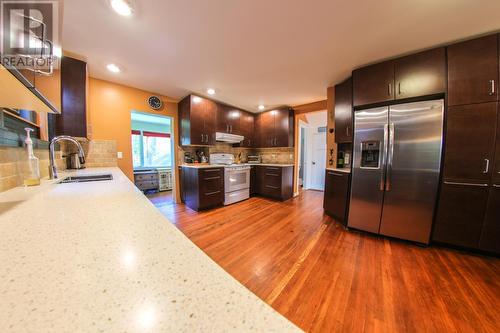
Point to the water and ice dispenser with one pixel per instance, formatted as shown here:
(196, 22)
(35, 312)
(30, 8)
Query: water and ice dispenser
(370, 152)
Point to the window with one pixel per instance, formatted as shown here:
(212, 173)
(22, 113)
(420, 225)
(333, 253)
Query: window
(151, 149)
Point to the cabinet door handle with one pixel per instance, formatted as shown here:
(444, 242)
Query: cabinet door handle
(347, 130)
(202, 138)
(492, 87)
(335, 174)
(399, 88)
(212, 193)
(487, 166)
(389, 89)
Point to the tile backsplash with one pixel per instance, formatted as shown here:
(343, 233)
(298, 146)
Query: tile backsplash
(99, 153)
(268, 155)
(12, 160)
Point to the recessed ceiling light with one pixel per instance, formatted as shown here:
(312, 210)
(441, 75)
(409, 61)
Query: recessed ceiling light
(122, 7)
(211, 91)
(261, 107)
(113, 68)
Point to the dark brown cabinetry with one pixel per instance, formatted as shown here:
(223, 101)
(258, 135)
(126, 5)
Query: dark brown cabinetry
(343, 112)
(460, 214)
(275, 128)
(496, 165)
(373, 84)
(253, 180)
(202, 188)
(274, 181)
(198, 118)
(73, 118)
(473, 71)
(336, 195)
(228, 119)
(470, 142)
(490, 235)
(420, 74)
(247, 129)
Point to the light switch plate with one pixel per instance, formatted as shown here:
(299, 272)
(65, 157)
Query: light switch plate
(119, 155)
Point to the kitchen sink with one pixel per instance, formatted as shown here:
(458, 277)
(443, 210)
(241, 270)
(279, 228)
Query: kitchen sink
(84, 179)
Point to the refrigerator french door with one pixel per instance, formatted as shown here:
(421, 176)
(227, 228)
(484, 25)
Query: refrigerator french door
(396, 167)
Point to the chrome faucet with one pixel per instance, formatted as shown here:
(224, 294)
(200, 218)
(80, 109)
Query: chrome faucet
(52, 167)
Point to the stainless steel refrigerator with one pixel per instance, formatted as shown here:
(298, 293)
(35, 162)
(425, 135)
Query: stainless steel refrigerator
(396, 166)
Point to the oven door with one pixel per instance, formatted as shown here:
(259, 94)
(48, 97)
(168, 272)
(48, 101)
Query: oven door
(236, 180)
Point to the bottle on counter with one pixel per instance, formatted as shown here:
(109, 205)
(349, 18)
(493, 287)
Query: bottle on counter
(31, 172)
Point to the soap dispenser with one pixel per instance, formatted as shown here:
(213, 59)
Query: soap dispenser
(31, 174)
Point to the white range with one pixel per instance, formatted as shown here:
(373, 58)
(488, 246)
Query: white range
(236, 178)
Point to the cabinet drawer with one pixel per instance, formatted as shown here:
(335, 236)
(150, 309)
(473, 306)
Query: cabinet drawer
(147, 185)
(146, 177)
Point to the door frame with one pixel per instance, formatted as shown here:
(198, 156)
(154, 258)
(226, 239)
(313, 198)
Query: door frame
(302, 125)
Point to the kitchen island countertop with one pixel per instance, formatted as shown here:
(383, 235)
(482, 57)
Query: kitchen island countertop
(99, 257)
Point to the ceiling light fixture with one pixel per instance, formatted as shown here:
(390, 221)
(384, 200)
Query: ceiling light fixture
(122, 7)
(211, 91)
(113, 68)
(261, 107)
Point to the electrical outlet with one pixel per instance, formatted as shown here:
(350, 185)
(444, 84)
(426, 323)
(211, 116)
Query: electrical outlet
(119, 155)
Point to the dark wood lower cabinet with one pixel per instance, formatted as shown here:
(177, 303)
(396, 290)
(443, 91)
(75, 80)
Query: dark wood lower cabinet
(253, 180)
(274, 181)
(490, 236)
(460, 215)
(336, 197)
(203, 188)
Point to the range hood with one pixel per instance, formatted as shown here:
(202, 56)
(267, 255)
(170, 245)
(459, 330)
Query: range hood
(230, 138)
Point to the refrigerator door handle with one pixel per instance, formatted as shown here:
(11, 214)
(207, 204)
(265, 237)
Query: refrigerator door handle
(384, 157)
(390, 157)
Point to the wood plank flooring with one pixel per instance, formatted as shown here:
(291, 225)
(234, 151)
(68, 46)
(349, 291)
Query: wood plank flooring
(326, 279)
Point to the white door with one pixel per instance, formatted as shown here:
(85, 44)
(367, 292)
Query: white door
(318, 161)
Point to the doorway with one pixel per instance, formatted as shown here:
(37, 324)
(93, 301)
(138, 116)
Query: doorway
(312, 151)
(153, 154)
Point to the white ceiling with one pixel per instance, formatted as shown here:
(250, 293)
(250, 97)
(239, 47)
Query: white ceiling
(272, 52)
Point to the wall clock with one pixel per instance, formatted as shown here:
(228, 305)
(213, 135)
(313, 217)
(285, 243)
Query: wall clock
(155, 102)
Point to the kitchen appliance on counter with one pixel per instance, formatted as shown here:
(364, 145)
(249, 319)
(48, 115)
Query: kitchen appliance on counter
(73, 162)
(396, 168)
(236, 178)
(253, 159)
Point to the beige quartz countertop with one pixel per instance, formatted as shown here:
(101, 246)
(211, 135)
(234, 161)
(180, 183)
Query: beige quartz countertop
(99, 257)
(345, 170)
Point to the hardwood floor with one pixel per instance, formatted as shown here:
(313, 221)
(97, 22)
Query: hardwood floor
(326, 279)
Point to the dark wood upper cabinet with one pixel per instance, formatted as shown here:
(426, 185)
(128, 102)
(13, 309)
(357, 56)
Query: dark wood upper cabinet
(228, 119)
(490, 236)
(198, 121)
(460, 215)
(421, 74)
(373, 84)
(275, 128)
(473, 71)
(247, 129)
(470, 141)
(343, 112)
(73, 118)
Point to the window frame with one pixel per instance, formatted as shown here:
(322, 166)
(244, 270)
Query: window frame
(141, 134)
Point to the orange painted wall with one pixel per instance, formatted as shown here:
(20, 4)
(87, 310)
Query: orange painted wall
(109, 107)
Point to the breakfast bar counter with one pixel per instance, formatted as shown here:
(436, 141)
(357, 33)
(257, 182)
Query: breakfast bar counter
(99, 257)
